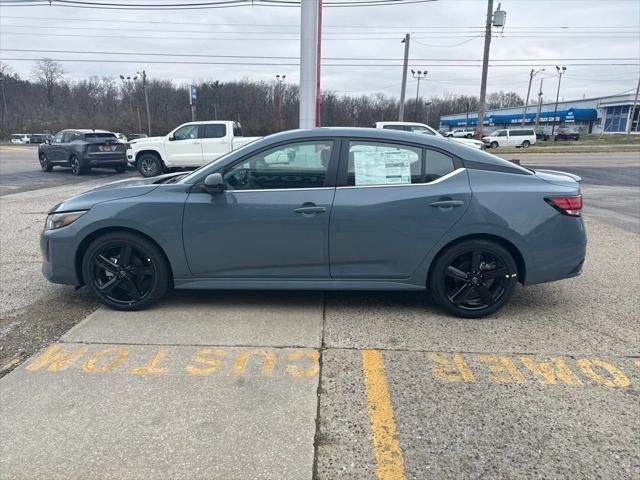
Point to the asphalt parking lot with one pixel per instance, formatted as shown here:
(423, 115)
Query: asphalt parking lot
(323, 385)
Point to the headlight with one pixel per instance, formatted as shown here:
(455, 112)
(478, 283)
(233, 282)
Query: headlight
(59, 220)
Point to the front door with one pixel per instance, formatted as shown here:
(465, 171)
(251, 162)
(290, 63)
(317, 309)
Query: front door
(393, 204)
(184, 148)
(272, 221)
(56, 152)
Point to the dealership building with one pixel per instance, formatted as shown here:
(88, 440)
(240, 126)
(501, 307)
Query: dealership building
(609, 115)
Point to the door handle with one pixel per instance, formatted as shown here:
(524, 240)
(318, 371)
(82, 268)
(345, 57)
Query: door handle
(310, 210)
(447, 203)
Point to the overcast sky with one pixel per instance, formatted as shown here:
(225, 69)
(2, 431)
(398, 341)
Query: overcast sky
(536, 33)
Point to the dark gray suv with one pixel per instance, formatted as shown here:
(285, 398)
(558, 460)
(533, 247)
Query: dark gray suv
(82, 150)
(328, 208)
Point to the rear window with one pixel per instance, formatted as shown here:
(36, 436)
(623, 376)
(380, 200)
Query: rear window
(100, 137)
(214, 130)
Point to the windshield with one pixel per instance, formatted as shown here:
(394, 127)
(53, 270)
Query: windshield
(198, 170)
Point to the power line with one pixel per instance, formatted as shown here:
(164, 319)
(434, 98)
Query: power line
(290, 57)
(272, 64)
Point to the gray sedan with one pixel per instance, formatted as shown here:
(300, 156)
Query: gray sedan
(329, 208)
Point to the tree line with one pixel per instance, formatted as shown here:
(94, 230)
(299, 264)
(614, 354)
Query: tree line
(47, 102)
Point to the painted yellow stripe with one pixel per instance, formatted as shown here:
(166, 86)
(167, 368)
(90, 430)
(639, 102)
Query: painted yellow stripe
(389, 461)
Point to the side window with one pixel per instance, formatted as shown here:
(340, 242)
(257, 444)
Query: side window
(418, 129)
(59, 137)
(438, 165)
(72, 137)
(374, 163)
(396, 127)
(500, 133)
(187, 132)
(213, 130)
(237, 130)
(294, 165)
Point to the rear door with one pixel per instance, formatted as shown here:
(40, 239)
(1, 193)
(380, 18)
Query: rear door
(216, 140)
(393, 204)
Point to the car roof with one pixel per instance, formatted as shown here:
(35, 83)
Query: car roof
(86, 130)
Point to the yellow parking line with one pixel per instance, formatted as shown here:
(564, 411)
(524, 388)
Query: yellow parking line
(389, 460)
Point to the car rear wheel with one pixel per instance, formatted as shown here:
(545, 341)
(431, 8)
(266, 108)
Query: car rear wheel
(44, 163)
(150, 165)
(121, 169)
(76, 166)
(494, 145)
(125, 271)
(473, 279)
(469, 135)
(526, 144)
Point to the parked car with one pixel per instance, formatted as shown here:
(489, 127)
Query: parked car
(541, 134)
(190, 145)
(38, 138)
(327, 208)
(567, 134)
(20, 138)
(427, 130)
(461, 133)
(82, 150)
(511, 137)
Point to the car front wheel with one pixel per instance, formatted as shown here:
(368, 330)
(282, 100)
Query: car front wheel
(44, 163)
(473, 279)
(494, 145)
(150, 165)
(125, 271)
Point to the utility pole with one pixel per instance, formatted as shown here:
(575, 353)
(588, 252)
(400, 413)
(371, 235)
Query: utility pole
(633, 111)
(318, 63)
(419, 75)
(485, 69)
(560, 70)
(143, 74)
(539, 104)
(466, 122)
(308, 62)
(532, 74)
(405, 66)
(279, 80)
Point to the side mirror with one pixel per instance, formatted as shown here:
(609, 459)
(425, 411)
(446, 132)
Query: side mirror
(171, 138)
(214, 183)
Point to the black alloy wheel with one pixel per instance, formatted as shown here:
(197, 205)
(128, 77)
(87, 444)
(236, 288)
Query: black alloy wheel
(474, 278)
(125, 271)
(44, 163)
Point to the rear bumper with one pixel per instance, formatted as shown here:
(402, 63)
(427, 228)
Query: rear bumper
(105, 159)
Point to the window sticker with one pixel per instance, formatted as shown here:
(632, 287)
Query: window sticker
(382, 168)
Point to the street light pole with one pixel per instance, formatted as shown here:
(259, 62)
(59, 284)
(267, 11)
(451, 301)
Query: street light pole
(560, 70)
(532, 74)
(405, 66)
(419, 75)
(279, 80)
(539, 104)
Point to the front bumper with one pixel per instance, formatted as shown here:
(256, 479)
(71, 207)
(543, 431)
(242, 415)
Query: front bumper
(58, 263)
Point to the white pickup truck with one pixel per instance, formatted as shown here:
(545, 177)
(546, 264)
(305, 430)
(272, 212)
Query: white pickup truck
(426, 129)
(190, 145)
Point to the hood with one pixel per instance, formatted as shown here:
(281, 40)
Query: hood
(143, 140)
(558, 178)
(112, 191)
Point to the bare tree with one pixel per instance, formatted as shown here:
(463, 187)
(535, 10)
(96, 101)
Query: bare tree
(49, 73)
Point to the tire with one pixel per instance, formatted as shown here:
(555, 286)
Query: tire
(125, 271)
(526, 144)
(76, 166)
(44, 163)
(468, 135)
(149, 165)
(463, 282)
(493, 144)
(121, 169)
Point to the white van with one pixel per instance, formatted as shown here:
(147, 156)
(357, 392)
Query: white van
(427, 130)
(20, 138)
(511, 137)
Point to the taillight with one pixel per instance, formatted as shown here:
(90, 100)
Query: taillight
(571, 206)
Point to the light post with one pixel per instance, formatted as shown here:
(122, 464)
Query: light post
(128, 82)
(279, 80)
(560, 70)
(539, 104)
(532, 74)
(405, 65)
(419, 75)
